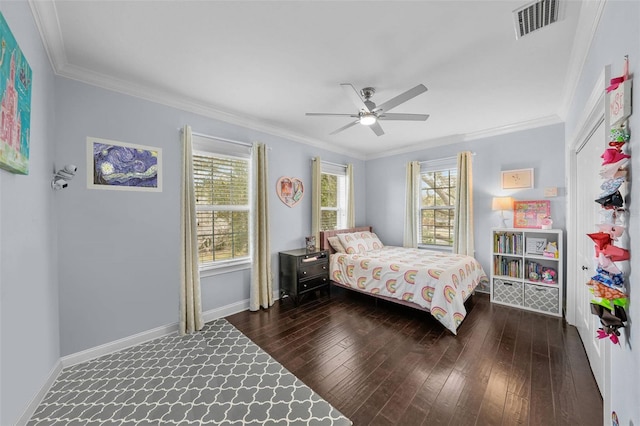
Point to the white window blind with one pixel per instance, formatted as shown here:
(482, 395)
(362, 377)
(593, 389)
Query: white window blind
(438, 180)
(333, 200)
(222, 176)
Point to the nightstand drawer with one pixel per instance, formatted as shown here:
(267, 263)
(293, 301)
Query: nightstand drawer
(311, 258)
(313, 283)
(312, 269)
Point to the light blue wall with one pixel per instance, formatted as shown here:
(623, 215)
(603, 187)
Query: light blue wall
(119, 250)
(29, 347)
(541, 149)
(80, 268)
(618, 34)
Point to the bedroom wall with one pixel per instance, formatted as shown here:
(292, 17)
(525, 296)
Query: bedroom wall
(618, 34)
(541, 149)
(29, 335)
(119, 250)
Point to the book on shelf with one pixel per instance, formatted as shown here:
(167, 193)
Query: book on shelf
(508, 243)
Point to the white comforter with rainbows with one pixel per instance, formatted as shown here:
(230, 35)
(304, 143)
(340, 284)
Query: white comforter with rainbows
(438, 281)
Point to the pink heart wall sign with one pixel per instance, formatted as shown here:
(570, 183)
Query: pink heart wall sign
(290, 190)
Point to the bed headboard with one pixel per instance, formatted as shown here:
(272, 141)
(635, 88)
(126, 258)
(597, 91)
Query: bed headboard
(324, 236)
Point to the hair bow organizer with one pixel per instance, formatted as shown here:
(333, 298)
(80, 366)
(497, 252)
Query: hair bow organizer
(608, 286)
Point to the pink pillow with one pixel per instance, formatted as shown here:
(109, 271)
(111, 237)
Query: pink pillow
(352, 243)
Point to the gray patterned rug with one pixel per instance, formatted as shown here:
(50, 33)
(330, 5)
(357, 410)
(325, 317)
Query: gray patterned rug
(216, 377)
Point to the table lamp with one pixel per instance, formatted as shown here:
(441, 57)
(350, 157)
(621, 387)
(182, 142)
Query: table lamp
(502, 204)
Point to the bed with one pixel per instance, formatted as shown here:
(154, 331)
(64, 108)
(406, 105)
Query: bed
(432, 281)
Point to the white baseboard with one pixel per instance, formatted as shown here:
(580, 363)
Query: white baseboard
(37, 399)
(225, 311)
(118, 345)
(145, 336)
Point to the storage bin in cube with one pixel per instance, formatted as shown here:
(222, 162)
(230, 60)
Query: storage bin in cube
(541, 298)
(507, 292)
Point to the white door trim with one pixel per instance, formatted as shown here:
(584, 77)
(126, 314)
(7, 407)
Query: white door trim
(593, 114)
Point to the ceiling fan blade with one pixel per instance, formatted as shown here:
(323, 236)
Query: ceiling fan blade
(409, 117)
(345, 127)
(330, 114)
(353, 94)
(377, 129)
(402, 98)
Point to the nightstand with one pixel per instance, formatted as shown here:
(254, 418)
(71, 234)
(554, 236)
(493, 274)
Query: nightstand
(303, 271)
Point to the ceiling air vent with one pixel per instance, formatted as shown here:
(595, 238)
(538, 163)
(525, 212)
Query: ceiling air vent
(535, 16)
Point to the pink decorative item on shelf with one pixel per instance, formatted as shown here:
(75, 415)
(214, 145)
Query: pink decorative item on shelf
(551, 250)
(546, 223)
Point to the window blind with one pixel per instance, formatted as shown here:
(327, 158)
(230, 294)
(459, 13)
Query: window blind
(222, 206)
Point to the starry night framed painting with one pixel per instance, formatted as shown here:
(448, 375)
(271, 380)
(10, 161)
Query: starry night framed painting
(15, 92)
(123, 166)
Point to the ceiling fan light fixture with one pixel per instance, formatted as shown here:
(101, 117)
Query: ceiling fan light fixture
(368, 119)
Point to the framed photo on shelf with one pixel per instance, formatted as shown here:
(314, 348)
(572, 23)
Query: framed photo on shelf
(517, 179)
(530, 214)
(536, 245)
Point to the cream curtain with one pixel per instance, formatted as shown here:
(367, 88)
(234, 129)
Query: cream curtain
(316, 192)
(190, 304)
(412, 200)
(463, 220)
(261, 291)
(351, 203)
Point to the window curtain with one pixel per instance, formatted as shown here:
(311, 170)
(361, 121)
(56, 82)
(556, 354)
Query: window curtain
(351, 204)
(412, 204)
(463, 219)
(316, 192)
(190, 303)
(261, 292)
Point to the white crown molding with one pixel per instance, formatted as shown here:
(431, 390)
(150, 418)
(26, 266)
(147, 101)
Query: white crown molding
(46, 18)
(515, 127)
(590, 14)
(45, 15)
(480, 134)
(186, 104)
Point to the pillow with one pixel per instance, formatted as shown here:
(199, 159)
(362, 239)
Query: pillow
(352, 243)
(335, 243)
(371, 240)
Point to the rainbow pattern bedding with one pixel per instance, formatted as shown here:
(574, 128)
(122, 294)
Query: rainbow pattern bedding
(439, 282)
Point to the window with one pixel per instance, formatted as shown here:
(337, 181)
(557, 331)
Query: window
(223, 200)
(333, 198)
(438, 180)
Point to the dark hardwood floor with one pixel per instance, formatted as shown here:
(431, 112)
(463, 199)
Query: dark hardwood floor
(385, 364)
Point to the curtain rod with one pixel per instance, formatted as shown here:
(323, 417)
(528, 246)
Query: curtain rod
(453, 157)
(202, 135)
(329, 162)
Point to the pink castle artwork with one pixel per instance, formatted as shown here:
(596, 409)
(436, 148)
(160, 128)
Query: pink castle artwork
(15, 104)
(9, 114)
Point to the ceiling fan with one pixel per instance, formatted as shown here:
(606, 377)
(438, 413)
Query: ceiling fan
(369, 114)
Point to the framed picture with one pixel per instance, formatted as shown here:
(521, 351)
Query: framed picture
(517, 179)
(536, 245)
(530, 214)
(15, 89)
(290, 190)
(123, 166)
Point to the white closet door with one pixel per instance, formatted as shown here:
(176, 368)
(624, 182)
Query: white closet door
(588, 189)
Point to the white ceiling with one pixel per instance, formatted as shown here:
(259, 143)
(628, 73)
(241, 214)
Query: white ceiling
(263, 64)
